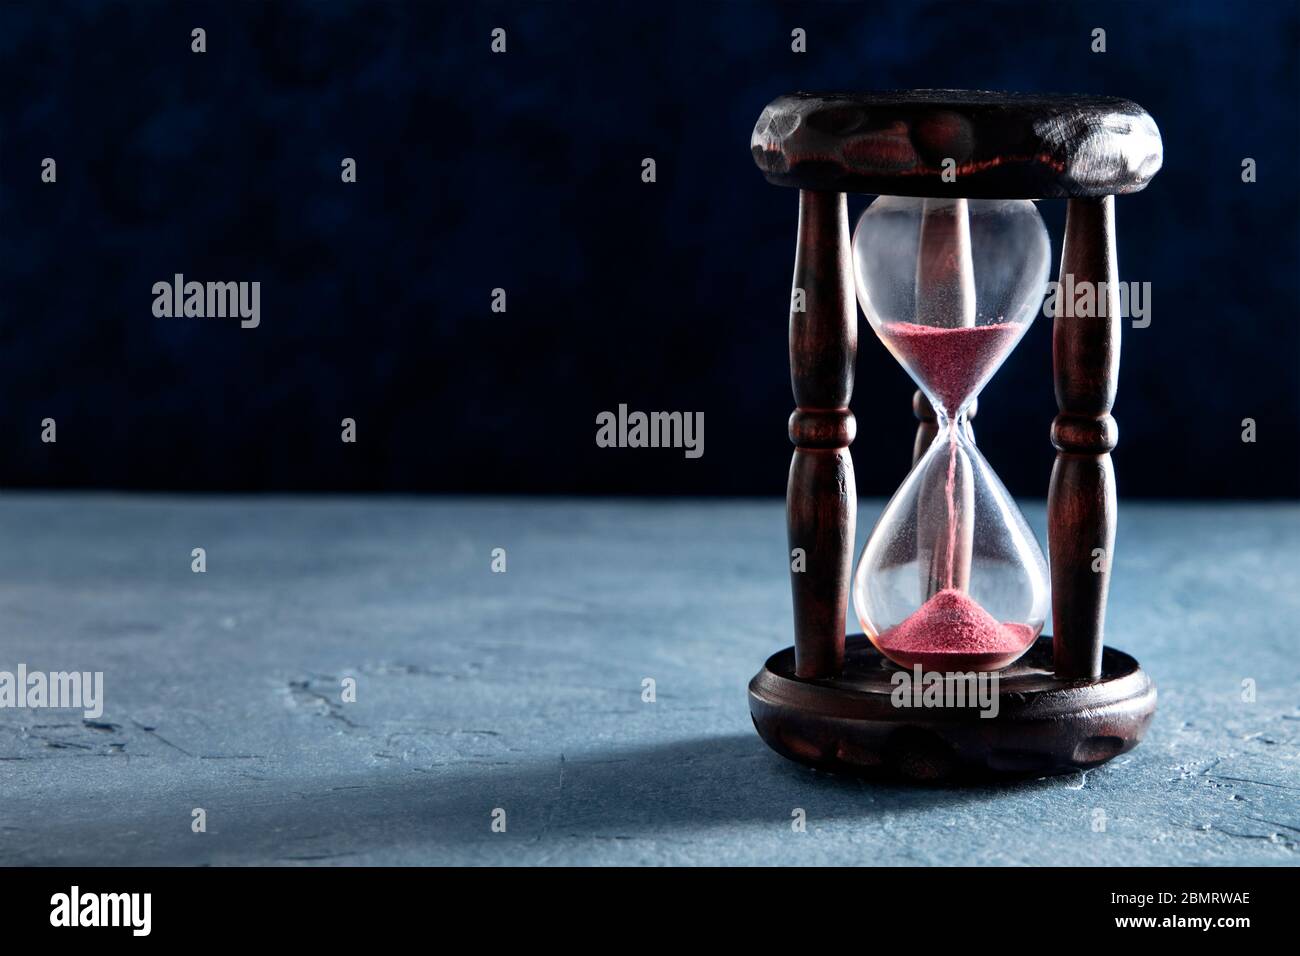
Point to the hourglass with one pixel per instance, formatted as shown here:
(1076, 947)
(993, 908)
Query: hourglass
(953, 676)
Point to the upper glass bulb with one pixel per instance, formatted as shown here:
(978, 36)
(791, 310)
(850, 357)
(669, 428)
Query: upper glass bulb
(950, 286)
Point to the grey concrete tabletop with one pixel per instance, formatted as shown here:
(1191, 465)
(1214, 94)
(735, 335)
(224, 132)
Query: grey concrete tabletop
(228, 734)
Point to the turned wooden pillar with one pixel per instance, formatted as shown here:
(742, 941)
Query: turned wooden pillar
(1081, 508)
(821, 496)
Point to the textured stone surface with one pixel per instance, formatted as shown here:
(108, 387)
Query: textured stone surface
(523, 691)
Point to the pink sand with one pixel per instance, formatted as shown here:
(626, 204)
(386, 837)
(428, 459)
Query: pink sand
(952, 362)
(951, 631)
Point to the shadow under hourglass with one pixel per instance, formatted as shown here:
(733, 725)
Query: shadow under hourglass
(658, 790)
(557, 807)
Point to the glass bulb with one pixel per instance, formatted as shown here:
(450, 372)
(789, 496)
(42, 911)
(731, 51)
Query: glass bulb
(926, 268)
(951, 578)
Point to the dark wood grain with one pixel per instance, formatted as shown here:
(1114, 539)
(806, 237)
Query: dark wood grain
(851, 724)
(1081, 506)
(821, 496)
(1003, 145)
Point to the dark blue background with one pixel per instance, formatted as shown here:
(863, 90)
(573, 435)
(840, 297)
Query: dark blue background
(522, 171)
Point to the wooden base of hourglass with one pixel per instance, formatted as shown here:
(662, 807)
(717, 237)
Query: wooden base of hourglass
(852, 723)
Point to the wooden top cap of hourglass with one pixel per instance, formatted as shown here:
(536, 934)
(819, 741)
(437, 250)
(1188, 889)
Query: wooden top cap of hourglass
(1002, 145)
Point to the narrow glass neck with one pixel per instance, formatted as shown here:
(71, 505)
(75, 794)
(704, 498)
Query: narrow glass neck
(946, 423)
